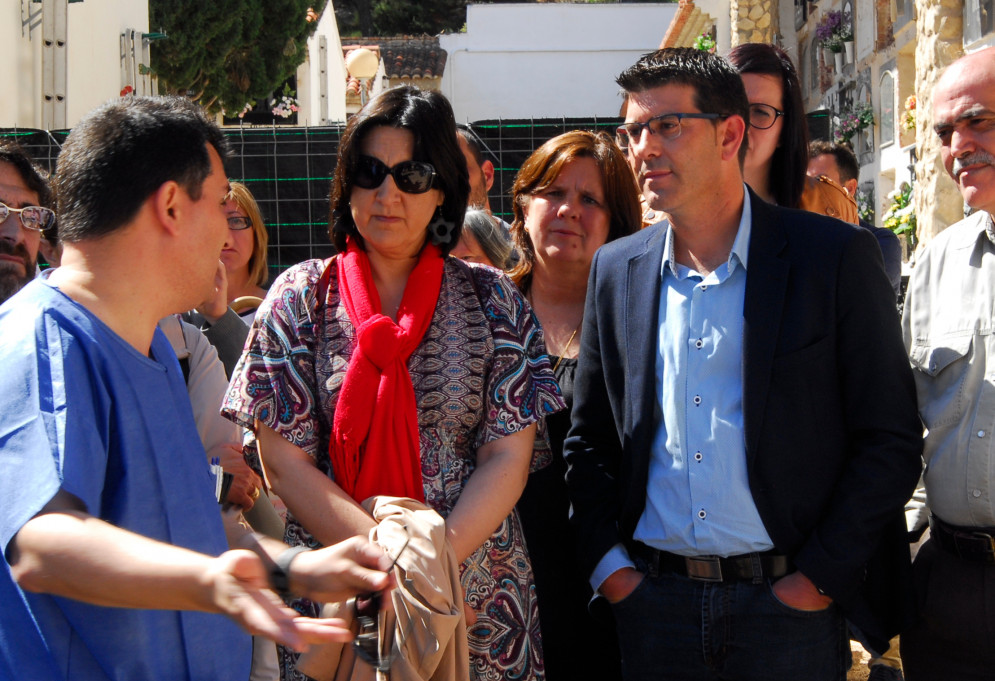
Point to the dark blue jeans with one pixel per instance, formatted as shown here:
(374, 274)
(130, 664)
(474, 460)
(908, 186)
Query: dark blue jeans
(672, 628)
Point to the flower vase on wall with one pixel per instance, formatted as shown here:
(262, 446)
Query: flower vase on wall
(838, 56)
(848, 46)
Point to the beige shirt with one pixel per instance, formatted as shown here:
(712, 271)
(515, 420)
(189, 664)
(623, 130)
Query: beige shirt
(948, 329)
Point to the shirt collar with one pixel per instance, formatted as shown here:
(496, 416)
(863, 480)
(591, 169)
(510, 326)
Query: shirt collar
(989, 227)
(740, 246)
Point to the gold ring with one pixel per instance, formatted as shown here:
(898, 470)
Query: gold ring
(255, 493)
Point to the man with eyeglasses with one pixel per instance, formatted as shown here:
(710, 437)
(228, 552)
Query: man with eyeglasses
(948, 326)
(25, 211)
(739, 455)
(115, 554)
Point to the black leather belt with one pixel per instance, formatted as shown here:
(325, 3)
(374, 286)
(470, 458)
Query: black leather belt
(976, 544)
(749, 566)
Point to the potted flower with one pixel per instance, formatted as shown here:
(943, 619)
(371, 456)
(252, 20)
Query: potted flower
(844, 31)
(852, 121)
(286, 104)
(901, 217)
(865, 208)
(909, 117)
(705, 42)
(826, 31)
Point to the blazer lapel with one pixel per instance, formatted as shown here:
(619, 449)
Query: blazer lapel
(766, 285)
(642, 301)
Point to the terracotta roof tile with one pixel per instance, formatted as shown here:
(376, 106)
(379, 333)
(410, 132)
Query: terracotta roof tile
(405, 56)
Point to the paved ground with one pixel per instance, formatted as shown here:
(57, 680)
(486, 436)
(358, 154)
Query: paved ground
(858, 672)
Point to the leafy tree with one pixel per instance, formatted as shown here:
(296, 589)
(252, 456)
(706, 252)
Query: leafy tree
(399, 17)
(225, 53)
(405, 17)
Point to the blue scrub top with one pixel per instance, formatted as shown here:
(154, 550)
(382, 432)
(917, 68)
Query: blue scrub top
(83, 411)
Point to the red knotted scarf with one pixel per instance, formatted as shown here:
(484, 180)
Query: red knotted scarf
(374, 448)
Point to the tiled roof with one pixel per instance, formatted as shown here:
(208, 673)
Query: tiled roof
(405, 56)
(687, 25)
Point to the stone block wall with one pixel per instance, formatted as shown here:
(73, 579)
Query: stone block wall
(753, 21)
(885, 36)
(939, 32)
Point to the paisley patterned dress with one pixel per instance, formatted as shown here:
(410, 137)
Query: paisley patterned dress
(480, 373)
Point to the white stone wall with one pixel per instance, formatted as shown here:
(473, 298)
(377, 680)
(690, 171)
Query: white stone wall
(94, 56)
(547, 60)
(309, 75)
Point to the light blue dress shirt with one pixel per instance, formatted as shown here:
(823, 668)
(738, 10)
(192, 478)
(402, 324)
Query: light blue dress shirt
(698, 499)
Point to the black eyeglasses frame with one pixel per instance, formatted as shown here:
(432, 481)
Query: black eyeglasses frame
(242, 220)
(624, 133)
(777, 114)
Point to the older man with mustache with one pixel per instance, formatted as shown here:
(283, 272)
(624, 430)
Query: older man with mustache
(948, 328)
(25, 210)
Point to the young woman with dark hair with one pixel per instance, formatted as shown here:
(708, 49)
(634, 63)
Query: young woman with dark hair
(777, 157)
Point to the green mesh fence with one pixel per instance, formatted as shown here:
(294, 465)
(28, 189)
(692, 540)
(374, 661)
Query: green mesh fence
(289, 171)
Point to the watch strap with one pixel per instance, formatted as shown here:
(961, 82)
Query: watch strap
(279, 573)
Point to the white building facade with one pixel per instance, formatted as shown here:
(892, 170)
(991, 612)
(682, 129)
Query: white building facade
(547, 60)
(61, 59)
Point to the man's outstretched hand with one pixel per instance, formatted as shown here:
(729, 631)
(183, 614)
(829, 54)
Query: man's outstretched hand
(239, 583)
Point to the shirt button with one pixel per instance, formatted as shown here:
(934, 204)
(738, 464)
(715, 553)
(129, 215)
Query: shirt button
(698, 343)
(698, 456)
(702, 514)
(704, 287)
(976, 493)
(981, 433)
(697, 400)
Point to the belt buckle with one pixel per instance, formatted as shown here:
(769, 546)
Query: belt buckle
(704, 568)
(984, 536)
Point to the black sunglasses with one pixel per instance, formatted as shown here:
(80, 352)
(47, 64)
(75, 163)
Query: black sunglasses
(411, 177)
(367, 645)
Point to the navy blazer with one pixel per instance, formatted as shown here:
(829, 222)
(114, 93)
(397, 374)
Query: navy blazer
(833, 439)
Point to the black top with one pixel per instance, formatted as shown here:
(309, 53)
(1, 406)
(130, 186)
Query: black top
(576, 645)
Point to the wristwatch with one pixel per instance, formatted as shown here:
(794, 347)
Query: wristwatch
(279, 572)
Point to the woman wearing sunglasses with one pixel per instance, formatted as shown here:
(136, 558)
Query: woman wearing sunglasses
(778, 136)
(392, 369)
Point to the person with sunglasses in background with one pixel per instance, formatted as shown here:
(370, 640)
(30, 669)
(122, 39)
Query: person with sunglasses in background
(777, 158)
(25, 213)
(393, 369)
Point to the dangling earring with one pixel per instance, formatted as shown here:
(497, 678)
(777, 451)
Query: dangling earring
(440, 230)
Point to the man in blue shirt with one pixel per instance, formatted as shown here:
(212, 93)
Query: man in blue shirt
(739, 455)
(114, 546)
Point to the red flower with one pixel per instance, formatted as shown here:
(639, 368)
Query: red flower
(127, 91)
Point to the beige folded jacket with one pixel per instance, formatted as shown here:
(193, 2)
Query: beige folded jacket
(426, 632)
